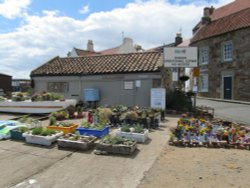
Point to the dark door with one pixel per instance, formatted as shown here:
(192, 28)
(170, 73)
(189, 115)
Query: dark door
(227, 87)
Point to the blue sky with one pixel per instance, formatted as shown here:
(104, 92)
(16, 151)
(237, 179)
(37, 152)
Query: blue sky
(34, 31)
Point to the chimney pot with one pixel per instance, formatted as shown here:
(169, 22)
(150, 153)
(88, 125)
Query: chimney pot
(90, 46)
(178, 39)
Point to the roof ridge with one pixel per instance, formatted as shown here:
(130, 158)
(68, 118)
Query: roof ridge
(104, 55)
(202, 33)
(103, 64)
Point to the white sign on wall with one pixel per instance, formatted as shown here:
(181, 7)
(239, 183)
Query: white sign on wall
(180, 57)
(128, 85)
(158, 98)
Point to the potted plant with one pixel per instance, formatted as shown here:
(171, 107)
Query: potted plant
(17, 134)
(116, 145)
(30, 123)
(76, 141)
(137, 133)
(65, 127)
(60, 115)
(97, 130)
(42, 136)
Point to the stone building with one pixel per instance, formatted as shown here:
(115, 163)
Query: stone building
(223, 40)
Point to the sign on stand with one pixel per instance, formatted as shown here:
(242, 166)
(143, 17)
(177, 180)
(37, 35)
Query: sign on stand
(180, 57)
(158, 98)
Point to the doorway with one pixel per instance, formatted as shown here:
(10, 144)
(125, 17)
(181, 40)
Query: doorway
(227, 80)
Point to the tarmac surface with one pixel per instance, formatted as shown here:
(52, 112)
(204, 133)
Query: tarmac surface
(26, 165)
(231, 110)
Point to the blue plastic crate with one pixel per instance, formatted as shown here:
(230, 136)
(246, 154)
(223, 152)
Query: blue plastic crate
(93, 132)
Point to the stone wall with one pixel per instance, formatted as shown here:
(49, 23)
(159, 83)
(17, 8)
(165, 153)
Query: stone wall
(238, 68)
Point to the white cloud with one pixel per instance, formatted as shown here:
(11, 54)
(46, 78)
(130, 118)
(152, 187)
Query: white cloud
(40, 38)
(13, 8)
(84, 9)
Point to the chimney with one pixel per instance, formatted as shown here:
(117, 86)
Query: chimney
(207, 12)
(90, 46)
(127, 40)
(178, 39)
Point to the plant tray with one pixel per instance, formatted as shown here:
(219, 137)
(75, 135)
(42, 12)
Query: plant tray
(16, 135)
(138, 137)
(64, 143)
(93, 132)
(41, 140)
(65, 130)
(117, 149)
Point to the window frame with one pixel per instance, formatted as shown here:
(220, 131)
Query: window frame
(203, 89)
(63, 87)
(225, 52)
(201, 50)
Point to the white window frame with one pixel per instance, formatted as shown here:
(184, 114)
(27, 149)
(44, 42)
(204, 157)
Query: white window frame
(204, 55)
(204, 84)
(58, 87)
(227, 51)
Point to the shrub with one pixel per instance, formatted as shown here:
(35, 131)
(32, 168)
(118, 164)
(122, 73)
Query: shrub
(125, 128)
(138, 129)
(37, 131)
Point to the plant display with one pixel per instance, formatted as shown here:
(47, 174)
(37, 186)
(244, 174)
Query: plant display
(76, 141)
(135, 132)
(19, 97)
(125, 128)
(60, 115)
(138, 129)
(26, 119)
(87, 125)
(77, 137)
(52, 120)
(42, 131)
(46, 96)
(113, 140)
(205, 132)
(22, 129)
(2, 98)
(104, 115)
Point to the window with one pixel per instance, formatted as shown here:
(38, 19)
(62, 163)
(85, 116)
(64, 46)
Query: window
(58, 87)
(156, 83)
(227, 50)
(204, 83)
(204, 56)
(128, 85)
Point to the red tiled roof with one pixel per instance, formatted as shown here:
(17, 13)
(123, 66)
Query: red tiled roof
(109, 51)
(238, 20)
(81, 52)
(230, 8)
(102, 64)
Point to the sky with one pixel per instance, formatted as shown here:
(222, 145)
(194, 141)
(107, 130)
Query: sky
(34, 31)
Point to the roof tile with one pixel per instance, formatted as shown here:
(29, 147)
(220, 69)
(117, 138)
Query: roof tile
(102, 64)
(238, 20)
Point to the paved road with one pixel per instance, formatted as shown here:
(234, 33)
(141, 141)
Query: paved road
(54, 168)
(230, 111)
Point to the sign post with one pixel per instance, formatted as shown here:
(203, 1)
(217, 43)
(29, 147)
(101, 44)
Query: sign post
(186, 57)
(180, 57)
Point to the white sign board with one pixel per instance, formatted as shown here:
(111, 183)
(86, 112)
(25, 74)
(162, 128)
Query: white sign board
(180, 57)
(158, 98)
(128, 85)
(138, 83)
